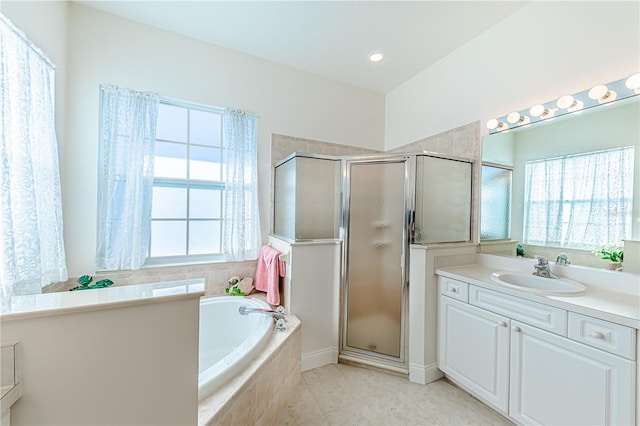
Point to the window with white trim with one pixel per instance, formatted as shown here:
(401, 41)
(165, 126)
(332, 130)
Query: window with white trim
(186, 218)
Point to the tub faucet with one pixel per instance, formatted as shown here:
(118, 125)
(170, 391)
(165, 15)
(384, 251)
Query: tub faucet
(562, 259)
(542, 268)
(277, 315)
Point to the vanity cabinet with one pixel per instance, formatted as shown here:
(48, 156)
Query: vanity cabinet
(530, 361)
(474, 349)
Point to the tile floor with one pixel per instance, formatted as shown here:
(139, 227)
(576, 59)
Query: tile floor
(344, 394)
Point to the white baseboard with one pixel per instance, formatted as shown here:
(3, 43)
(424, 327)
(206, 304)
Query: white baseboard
(319, 358)
(423, 374)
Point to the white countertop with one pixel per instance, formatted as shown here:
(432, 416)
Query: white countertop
(37, 305)
(622, 307)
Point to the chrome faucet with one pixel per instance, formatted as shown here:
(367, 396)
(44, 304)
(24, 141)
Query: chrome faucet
(542, 268)
(562, 259)
(277, 315)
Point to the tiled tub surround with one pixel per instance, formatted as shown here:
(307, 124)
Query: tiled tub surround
(260, 394)
(216, 275)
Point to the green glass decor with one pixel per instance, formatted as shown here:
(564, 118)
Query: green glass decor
(85, 283)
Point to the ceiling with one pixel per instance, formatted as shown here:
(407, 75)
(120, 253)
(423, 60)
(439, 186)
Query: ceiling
(329, 38)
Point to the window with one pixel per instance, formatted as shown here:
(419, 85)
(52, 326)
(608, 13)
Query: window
(495, 223)
(582, 201)
(178, 182)
(186, 215)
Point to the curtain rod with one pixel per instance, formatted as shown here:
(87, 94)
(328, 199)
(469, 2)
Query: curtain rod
(35, 49)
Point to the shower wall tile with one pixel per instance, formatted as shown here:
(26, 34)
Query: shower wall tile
(282, 146)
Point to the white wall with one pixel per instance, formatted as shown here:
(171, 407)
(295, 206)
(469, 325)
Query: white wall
(105, 49)
(542, 51)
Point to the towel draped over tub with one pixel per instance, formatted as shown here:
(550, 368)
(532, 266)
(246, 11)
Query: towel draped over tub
(268, 273)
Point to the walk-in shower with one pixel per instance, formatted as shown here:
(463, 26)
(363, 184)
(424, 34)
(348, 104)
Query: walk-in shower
(377, 205)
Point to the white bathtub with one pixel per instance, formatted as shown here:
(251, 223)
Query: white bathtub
(228, 341)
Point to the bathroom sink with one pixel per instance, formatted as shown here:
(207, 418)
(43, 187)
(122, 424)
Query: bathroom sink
(535, 284)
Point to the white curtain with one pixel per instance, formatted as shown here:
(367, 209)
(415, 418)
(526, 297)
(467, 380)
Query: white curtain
(31, 243)
(582, 201)
(125, 177)
(241, 222)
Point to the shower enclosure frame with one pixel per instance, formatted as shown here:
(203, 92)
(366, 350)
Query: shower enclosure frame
(350, 353)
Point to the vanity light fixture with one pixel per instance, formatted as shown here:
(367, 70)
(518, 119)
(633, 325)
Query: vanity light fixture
(599, 94)
(602, 94)
(376, 56)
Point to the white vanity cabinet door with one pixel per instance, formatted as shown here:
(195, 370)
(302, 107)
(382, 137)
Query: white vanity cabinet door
(555, 381)
(473, 350)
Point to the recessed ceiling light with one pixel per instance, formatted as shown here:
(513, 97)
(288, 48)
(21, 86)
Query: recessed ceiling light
(376, 56)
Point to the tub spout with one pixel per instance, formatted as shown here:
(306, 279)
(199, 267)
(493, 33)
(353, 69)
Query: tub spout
(277, 315)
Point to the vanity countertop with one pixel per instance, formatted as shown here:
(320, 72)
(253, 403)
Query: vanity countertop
(622, 307)
(47, 304)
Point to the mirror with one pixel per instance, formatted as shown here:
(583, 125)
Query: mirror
(603, 128)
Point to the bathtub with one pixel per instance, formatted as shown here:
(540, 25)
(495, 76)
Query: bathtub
(228, 341)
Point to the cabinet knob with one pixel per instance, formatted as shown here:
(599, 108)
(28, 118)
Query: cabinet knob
(453, 290)
(516, 329)
(596, 335)
(503, 324)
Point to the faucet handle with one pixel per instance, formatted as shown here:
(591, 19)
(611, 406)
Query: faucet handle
(541, 260)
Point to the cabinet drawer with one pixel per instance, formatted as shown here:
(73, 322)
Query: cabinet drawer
(454, 289)
(605, 335)
(536, 314)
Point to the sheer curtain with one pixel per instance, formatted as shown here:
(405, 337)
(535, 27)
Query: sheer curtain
(241, 222)
(31, 242)
(582, 201)
(125, 177)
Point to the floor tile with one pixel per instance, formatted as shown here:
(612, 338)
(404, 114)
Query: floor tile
(345, 394)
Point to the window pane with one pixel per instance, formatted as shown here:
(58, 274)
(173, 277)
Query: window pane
(205, 163)
(169, 203)
(172, 123)
(170, 160)
(495, 222)
(205, 128)
(168, 238)
(204, 237)
(204, 203)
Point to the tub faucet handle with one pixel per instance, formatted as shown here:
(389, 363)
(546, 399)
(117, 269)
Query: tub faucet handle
(280, 325)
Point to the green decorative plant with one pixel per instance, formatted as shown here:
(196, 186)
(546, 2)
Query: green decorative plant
(614, 254)
(85, 283)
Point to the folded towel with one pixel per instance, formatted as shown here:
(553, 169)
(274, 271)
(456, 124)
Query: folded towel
(268, 274)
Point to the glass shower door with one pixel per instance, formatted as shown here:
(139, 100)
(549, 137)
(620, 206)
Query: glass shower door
(376, 240)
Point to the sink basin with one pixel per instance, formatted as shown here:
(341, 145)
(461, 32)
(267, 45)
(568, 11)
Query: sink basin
(535, 284)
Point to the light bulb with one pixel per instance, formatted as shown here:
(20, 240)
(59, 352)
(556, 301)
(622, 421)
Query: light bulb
(541, 111)
(492, 124)
(633, 82)
(566, 102)
(602, 94)
(598, 91)
(514, 117)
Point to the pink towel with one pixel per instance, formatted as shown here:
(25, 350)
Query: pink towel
(268, 274)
